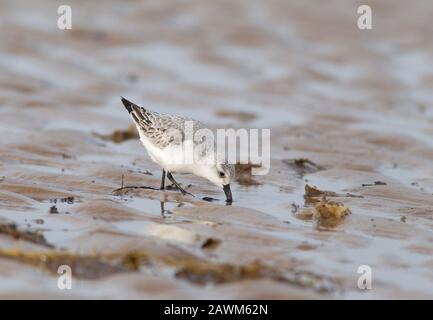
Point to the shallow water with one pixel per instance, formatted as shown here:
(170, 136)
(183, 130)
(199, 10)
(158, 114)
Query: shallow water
(357, 104)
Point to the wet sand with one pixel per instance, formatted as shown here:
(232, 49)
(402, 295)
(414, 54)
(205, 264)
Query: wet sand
(350, 112)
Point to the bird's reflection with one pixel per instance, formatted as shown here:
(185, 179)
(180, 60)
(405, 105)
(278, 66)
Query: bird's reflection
(167, 213)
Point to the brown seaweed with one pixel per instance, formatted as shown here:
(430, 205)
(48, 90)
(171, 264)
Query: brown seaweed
(303, 166)
(312, 194)
(244, 174)
(119, 136)
(12, 230)
(192, 269)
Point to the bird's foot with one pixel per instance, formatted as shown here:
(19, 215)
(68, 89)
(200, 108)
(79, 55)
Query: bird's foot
(180, 188)
(175, 187)
(186, 192)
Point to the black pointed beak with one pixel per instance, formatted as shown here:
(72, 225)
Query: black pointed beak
(228, 193)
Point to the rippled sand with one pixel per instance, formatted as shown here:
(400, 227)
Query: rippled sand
(356, 104)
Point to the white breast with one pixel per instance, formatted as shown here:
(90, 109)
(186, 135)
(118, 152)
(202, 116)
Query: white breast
(173, 158)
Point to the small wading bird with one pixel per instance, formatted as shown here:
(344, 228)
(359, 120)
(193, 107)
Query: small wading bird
(164, 138)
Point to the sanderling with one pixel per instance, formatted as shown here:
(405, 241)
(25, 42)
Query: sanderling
(159, 134)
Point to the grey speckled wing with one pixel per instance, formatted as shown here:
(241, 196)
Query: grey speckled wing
(161, 129)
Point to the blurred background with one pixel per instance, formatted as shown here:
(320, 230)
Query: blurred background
(357, 104)
(235, 55)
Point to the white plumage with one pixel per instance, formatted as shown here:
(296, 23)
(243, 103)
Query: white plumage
(169, 141)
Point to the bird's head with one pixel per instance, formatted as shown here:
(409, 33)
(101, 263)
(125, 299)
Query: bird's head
(221, 175)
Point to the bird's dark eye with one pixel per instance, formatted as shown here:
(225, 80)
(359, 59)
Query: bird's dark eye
(221, 174)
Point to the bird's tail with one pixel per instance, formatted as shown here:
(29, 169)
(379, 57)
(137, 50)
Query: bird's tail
(138, 114)
(128, 104)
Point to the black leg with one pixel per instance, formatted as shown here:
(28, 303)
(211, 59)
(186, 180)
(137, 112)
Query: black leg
(170, 177)
(163, 180)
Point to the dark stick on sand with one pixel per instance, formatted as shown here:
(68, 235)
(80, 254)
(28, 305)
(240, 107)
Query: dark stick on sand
(122, 187)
